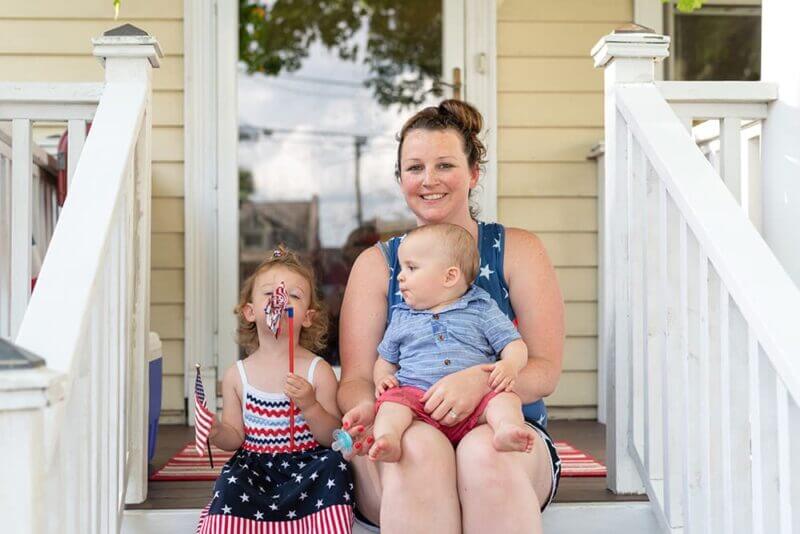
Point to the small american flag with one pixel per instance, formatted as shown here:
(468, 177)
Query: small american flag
(202, 416)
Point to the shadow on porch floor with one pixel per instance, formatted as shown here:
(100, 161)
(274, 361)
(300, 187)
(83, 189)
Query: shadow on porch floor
(586, 435)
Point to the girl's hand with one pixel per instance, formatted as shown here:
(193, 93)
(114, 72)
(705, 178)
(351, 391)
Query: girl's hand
(300, 391)
(387, 382)
(454, 397)
(502, 376)
(358, 422)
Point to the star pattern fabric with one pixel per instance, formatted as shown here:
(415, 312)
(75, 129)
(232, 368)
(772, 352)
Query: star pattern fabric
(266, 488)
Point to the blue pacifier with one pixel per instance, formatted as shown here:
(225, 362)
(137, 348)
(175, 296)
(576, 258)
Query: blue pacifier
(342, 441)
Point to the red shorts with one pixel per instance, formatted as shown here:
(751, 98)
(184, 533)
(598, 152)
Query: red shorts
(410, 396)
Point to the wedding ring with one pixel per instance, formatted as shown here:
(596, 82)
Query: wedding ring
(453, 414)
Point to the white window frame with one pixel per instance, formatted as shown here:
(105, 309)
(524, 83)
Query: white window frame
(211, 169)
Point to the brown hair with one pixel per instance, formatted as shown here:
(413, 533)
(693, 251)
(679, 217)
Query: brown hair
(458, 244)
(456, 115)
(313, 337)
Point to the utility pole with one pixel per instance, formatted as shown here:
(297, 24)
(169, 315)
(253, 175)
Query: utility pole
(359, 141)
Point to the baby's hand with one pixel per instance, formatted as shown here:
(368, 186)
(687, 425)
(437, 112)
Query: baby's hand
(300, 391)
(387, 382)
(502, 376)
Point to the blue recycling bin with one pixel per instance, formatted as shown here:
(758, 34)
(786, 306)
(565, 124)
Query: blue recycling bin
(156, 367)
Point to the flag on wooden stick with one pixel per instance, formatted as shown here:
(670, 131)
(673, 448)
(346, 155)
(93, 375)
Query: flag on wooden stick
(203, 417)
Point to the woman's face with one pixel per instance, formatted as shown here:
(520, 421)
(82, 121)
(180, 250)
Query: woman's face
(435, 177)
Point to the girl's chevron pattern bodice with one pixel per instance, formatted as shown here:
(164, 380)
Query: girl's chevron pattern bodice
(266, 423)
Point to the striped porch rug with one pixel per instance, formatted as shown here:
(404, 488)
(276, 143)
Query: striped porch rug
(186, 465)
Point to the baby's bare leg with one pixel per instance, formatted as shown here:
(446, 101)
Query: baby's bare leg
(391, 421)
(504, 415)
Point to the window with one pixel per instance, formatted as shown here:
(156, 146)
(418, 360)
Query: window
(714, 43)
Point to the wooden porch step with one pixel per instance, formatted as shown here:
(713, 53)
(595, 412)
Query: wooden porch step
(571, 518)
(586, 435)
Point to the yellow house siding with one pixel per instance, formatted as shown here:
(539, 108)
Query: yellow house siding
(550, 113)
(47, 41)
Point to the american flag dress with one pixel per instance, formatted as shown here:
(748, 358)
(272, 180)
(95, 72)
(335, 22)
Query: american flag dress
(265, 489)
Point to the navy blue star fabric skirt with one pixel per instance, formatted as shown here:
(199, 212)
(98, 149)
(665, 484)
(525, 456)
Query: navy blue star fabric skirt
(306, 492)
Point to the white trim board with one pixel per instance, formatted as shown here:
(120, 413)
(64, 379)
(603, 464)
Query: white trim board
(480, 89)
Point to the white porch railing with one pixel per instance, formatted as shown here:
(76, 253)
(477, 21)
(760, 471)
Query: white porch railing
(29, 210)
(704, 381)
(44, 214)
(730, 134)
(78, 449)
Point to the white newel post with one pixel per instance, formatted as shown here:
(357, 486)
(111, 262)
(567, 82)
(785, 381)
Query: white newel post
(129, 54)
(26, 389)
(628, 55)
(780, 42)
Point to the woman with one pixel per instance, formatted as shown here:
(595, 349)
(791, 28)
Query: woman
(474, 489)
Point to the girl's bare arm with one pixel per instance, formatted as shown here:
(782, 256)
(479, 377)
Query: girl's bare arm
(228, 434)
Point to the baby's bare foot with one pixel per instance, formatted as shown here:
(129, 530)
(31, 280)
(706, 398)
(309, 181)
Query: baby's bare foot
(386, 449)
(511, 437)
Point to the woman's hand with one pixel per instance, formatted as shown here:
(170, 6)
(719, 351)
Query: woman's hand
(454, 397)
(300, 391)
(358, 422)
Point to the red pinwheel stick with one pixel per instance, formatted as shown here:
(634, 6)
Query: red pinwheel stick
(290, 317)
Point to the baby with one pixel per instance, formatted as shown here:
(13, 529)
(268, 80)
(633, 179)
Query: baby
(444, 325)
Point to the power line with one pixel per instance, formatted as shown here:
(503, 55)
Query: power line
(324, 81)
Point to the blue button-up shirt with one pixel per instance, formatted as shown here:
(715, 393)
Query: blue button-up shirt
(428, 346)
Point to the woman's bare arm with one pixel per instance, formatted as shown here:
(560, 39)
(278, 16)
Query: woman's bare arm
(539, 307)
(362, 322)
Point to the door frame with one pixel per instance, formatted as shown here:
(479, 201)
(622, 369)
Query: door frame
(211, 230)
(211, 169)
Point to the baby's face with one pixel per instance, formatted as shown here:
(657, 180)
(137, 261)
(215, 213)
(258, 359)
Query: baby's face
(423, 271)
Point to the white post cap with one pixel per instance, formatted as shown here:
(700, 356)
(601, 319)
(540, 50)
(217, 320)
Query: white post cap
(127, 41)
(630, 41)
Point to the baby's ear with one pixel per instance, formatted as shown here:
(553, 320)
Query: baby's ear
(452, 276)
(308, 320)
(249, 312)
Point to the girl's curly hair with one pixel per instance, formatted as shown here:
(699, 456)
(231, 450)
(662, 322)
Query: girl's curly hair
(313, 337)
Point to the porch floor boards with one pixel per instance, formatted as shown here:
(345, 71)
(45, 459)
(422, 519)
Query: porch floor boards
(586, 435)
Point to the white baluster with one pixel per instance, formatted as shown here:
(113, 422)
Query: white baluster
(637, 170)
(76, 137)
(730, 155)
(675, 407)
(697, 383)
(756, 439)
(21, 221)
(784, 457)
(767, 424)
(737, 464)
(655, 297)
(718, 407)
(96, 403)
(5, 247)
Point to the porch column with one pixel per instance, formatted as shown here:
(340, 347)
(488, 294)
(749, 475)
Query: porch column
(628, 55)
(129, 54)
(780, 146)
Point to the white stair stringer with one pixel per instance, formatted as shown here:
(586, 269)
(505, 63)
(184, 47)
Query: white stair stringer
(567, 518)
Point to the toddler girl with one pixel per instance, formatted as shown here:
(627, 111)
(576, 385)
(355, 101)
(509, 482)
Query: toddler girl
(268, 486)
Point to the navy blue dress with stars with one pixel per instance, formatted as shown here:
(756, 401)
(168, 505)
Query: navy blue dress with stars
(265, 488)
(491, 245)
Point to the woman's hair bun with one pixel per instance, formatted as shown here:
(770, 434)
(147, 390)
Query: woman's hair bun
(465, 115)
